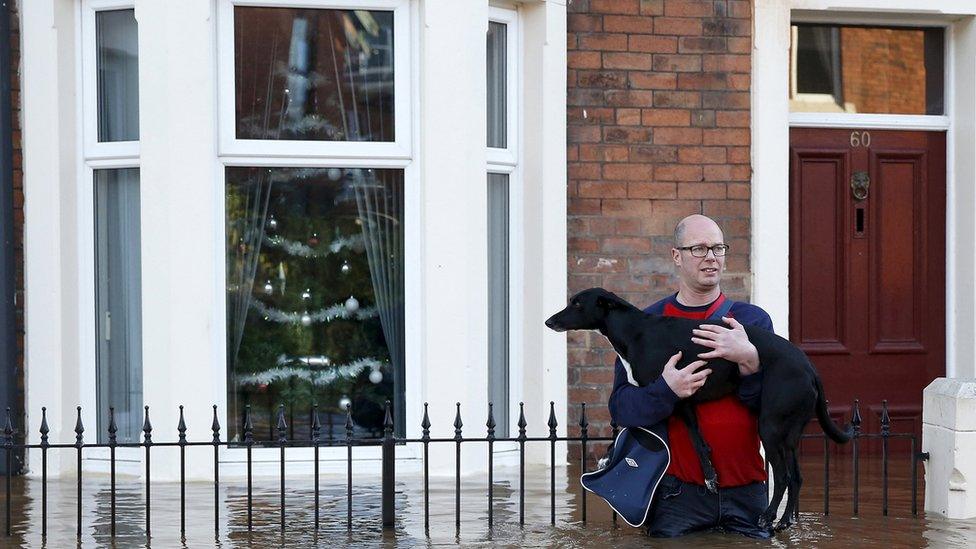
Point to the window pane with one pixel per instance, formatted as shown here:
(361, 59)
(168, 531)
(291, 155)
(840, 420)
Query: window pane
(498, 292)
(117, 54)
(315, 304)
(867, 70)
(313, 74)
(497, 77)
(118, 297)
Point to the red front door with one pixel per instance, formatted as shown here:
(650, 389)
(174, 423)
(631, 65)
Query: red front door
(867, 266)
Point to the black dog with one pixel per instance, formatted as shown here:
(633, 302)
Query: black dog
(791, 387)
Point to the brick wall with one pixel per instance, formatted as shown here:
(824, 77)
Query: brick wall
(658, 128)
(883, 69)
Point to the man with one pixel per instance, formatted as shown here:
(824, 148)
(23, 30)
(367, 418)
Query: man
(682, 504)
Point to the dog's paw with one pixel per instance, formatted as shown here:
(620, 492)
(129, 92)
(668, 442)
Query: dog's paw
(766, 521)
(783, 524)
(712, 484)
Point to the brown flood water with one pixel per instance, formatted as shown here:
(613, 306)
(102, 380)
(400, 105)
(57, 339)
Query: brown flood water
(839, 529)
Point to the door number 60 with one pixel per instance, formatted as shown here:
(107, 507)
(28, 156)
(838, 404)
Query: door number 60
(860, 139)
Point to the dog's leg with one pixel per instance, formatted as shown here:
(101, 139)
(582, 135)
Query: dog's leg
(782, 474)
(687, 414)
(795, 482)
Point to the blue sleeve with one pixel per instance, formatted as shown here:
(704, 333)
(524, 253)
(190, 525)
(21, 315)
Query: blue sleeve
(750, 390)
(632, 406)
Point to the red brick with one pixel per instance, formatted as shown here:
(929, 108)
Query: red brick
(701, 155)
(577, 244)
(722, 172)
(627, 245)
(677, 63)
(578, 22)
(596, 376)
(583, 170)
(601, 79)
(630, 61)
(628, 226)
(701, 190)
(726, 27)
(628, 117)
(603, 41)
(654, 44)
(583, 134)
(584, 96)
(740, 8)
(629, 172)
(738, 155)
(666, 117)
(653, 80)
(651, 189)
(725, 208)
(702, 81)
(583, 206)
(740, 44)
(740, 81)
(652, 7)
(571, 41)
(732, 119)
(654, 153)
(678, 136)
(696, 44)
(703, 118)
(680, 99)
(628, 24)
(677, 172)
(628, 208)
(602, 189)
(679, 26)
(725, 100)
(615, 6)
(604, 153)
(583, 59)
(689, 8)
(627, 134)
(726, 137)
(726, 63)
(630, 98)
(591, 115)
(738, 190)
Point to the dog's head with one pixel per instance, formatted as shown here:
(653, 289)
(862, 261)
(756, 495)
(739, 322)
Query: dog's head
(587, 310)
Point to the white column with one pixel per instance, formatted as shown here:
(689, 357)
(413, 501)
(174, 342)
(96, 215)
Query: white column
(49, 91)
(453, 98)
(770, 160)
(181, 200)
(544, 218)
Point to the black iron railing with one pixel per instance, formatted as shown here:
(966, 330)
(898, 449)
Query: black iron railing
(388, 444)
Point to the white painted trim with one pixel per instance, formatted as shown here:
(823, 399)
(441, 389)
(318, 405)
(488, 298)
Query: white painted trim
(229, 144)
(868, 121)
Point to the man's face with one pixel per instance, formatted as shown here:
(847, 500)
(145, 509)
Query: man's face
(699, 273)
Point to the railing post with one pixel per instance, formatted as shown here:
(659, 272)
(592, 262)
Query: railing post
(44, 446)
(147, 442)
(8, 442)
(282, 428)
(425, 426)
(215, 428)
(885, 432)
(491, 476)
(552, 462)
(458, 438)
(113, 430)
(181, 429)
(79, 444)
(856, 423)
(389, 469)
(584, 426)
(522, 424)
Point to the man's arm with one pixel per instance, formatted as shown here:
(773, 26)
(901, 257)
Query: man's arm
(750, 387)
(632, 406)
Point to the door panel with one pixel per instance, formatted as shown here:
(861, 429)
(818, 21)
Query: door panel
(867, 266)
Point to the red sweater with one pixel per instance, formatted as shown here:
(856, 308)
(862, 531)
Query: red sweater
(729, 428)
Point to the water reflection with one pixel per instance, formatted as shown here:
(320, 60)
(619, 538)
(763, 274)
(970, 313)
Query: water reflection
(814, 530)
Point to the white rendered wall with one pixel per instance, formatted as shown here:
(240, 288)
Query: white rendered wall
(182, 237)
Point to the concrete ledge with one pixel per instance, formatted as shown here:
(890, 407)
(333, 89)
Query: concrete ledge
(949, 436)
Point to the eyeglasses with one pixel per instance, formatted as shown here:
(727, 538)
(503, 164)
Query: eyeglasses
(701, 250)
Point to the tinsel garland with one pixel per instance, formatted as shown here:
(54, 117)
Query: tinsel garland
(296, 248)
(316, 377)
(327, 314)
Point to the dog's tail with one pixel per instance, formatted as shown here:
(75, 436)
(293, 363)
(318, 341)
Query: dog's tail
(826, 423)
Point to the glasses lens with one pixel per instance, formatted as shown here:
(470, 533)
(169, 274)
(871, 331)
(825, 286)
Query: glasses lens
(720, 249)
(699, 251)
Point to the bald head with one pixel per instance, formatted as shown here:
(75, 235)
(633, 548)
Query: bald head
(694, 223)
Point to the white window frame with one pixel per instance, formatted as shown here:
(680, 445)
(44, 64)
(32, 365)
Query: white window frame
(94, 155)
(398, 154)
(506, 161)
(229, 144)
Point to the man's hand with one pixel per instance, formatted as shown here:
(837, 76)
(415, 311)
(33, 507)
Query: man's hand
(686, 381)
(732, 344)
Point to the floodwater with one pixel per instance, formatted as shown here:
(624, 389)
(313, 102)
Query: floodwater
(839, 529)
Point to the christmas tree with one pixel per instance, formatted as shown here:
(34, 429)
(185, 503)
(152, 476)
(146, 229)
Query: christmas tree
(304, 327)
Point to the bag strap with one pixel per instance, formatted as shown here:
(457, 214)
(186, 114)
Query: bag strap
(722, 308)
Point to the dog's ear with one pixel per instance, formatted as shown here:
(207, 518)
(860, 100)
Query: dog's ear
(606, 304)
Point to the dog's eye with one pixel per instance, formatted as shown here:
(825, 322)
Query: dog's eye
(577, 305)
